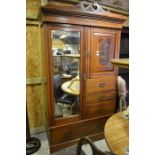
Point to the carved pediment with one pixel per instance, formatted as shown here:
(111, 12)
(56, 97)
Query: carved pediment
(91, 7)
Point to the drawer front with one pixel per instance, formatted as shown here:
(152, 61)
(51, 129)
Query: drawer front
(70, 131)
(97, 109)
(100, 96)
(100, 84)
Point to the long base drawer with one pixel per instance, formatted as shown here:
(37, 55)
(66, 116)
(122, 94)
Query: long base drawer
(59, 136)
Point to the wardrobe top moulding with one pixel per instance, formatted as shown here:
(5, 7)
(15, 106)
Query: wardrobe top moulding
(92, 15)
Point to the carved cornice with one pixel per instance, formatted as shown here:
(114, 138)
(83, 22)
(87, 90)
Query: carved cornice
(82, 14)
(83, 10)
(107, 5)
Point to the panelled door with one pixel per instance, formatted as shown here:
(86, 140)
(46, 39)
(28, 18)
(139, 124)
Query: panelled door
(102, 50)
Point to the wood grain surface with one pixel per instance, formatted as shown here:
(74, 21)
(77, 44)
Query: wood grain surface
(116, 133)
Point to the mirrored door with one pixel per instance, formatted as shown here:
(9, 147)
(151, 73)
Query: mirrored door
(66, 71)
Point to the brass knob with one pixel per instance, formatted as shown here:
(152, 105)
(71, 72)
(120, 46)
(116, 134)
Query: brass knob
(101, 84)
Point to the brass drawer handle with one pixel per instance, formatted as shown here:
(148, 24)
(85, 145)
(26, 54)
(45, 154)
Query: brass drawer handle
(101, 84)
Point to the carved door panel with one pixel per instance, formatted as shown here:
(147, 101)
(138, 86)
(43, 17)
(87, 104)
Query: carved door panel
(102, 50)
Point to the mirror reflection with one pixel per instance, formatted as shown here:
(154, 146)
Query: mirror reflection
(66, 70)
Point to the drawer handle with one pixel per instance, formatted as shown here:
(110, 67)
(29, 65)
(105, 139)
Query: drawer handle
(101, 84)
(101, 98)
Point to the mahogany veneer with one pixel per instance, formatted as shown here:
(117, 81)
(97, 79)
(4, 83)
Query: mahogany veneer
(99, 43)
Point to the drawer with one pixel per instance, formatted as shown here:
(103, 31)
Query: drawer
(70, 131)
(97, 109)
(100, 84)
(100, 96)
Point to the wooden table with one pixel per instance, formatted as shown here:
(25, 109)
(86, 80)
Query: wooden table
(66, 77)
(116, 133)
(67, 89)
(122, 62)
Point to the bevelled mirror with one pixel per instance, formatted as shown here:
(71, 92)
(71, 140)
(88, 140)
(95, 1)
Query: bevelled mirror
(66, 70)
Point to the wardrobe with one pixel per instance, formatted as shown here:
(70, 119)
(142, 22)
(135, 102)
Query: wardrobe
(78, 44)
